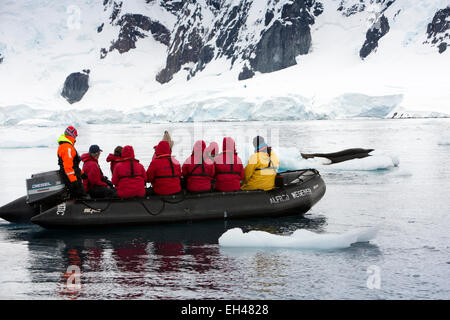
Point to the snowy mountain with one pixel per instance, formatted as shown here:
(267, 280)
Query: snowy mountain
(169, 60)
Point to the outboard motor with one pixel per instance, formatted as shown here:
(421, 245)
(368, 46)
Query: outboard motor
(45, 186)
(44, 191)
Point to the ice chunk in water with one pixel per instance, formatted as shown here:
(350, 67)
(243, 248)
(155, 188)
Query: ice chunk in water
(300, 239)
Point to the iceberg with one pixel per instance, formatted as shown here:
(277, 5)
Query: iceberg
(444, 141)
(27, 143)
(196, 108)
(300, 239)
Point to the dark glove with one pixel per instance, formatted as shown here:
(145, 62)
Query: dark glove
(107, 181)
(77, 190)
(84, 176)
(183, 182)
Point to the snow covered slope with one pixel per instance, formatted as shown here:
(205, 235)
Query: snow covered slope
(155, 60)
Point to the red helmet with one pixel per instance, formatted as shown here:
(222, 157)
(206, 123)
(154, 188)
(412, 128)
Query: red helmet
(71, 131)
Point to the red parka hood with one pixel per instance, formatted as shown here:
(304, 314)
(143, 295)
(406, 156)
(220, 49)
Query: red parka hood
(229, 145)
(197, 151)
(128, 152)
(163, 148)
(112, 157)
(85, 157)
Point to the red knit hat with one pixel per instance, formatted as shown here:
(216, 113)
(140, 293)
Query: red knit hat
(71, 132)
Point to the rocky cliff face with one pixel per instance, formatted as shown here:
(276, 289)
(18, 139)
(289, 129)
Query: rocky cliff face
(75, 86)
(250, 36)
(438, 30)
(132, 28)
(188, 43)
(380, 23)
(259, 36)
(264, 39)
(287, 37)
(375, 33)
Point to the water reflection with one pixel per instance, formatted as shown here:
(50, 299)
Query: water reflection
(166, 261)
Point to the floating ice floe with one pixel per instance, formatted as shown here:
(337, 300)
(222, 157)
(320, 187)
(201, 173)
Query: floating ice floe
(300, 239)
(444, 142)
(37, 123)
(375, 162)
(27, 143)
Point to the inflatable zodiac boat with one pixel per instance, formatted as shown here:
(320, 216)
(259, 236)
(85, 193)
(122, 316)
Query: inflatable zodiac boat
(47, 204)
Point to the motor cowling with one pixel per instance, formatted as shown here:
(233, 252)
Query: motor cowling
(45, 187)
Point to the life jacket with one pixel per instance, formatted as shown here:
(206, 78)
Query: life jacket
(261, 170)
(129, 153)
(172, 168)
(164, 181)
(129, 175)
(198, 159)
(230, 171)
(203, 174)
(270, 165)
(229, 152)
(68, 159)
(198, 170)
(228, 168)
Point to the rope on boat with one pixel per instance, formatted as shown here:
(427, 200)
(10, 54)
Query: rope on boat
(150, 212)
(96, 209)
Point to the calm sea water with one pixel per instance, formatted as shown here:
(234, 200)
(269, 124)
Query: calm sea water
(410, 256)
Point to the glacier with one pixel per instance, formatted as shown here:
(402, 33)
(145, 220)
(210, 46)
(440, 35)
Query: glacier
(41, 43)
(200, 109)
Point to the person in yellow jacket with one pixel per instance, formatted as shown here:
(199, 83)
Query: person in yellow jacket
(262, 167)
(69, 163)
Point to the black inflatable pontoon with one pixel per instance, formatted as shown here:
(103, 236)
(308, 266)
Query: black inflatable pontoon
(340, 156)
(296, 193)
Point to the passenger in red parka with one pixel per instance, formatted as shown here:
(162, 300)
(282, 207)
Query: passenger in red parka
(96, 183)
(164, 172)
(198, 169)
(129, 175)
(114, 158)
(229, 168)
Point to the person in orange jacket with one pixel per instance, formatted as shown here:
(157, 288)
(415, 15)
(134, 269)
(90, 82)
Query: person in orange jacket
(69, 163)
